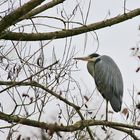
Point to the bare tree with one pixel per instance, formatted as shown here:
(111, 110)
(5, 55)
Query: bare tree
(36, 83)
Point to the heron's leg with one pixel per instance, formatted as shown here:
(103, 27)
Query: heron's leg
(106, 110)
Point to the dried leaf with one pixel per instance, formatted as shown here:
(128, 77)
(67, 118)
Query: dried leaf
(31, 100)
(40, 61)
(9, 75)
(138, 123)
(57, 79)
(19, 137)
(60, 93)
(25, 95)
(86, 106)
(127, 116)
(50, 132)
(103, 127)
(7, 67)
(138, 106)
(14, 68)
(132, 48)
(89, 112)
(111, 112)
(76, 64)
(137, 70)
(125, 111)
(86, 98)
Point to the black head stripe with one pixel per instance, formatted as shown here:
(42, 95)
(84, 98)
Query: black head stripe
(94, 55)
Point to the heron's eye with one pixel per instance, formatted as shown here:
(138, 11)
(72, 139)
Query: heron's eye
(97, 60)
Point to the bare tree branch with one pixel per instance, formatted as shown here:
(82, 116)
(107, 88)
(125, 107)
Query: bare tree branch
(33, 83)
(42, 8)
(80, 125)
(129, 132)
(28, 78)
(13, 17)
(70, 32)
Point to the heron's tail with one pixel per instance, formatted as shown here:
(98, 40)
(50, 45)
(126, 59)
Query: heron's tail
(116, 104)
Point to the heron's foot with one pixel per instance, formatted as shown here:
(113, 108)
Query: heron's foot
(94, 117)
(104, 128)
(106, 120)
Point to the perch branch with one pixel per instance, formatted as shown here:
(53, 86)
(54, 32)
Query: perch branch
(80, 125)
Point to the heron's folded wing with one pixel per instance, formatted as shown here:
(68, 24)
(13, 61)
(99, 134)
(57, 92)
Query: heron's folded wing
(109, 81)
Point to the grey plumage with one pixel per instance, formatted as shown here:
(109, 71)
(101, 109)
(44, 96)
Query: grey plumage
(108, 78)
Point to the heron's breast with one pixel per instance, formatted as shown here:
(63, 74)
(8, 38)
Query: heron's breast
(90, 67)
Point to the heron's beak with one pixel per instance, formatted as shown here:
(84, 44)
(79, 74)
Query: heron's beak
(83, 58)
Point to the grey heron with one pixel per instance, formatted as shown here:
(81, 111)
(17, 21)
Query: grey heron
(107, 77)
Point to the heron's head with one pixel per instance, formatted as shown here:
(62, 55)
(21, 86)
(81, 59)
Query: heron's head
(91, 57)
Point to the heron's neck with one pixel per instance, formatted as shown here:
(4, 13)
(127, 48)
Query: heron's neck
(90, 67)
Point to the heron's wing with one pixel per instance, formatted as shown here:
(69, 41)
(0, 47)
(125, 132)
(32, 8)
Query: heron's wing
(109, 81)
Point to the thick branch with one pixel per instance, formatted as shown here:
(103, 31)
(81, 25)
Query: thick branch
(42, 8)
(70, 32)
(80, 125)
(13, 17)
